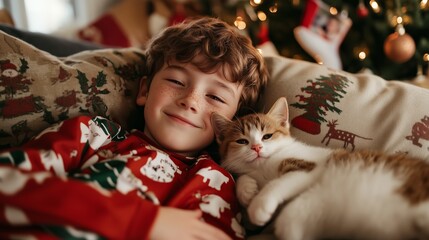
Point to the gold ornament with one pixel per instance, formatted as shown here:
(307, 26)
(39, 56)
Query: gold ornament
(399, 47)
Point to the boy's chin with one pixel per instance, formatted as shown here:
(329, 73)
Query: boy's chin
(177, 143)
(181, 147)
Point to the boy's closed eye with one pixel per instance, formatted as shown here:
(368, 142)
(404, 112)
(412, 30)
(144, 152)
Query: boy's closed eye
(211, 96)
(216, 98)
(175, 81)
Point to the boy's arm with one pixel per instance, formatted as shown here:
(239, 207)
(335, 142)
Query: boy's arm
(184, 224)
(66, 146)
(35, 189)
(212, 190)
(41, 198)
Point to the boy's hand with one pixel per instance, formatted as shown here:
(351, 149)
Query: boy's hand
(173, 223)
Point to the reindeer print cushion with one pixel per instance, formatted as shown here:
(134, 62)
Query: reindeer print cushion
(352, 111)
(38, 89)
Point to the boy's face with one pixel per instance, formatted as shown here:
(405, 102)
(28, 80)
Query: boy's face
(179, 103)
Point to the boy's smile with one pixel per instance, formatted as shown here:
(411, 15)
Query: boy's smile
(179, 103)
(182, 120)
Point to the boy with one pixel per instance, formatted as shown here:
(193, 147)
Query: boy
(87, 178)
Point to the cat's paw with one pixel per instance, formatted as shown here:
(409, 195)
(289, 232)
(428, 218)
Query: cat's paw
(247, 188)
(261, 209)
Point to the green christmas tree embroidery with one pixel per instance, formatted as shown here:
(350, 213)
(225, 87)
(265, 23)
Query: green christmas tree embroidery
(93, 89)
(323, 93)
(132, 71)
(24, 66)
(104, 173)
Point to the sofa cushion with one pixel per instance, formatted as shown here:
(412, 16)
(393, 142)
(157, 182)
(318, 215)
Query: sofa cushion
(38, 89)
(339, 109)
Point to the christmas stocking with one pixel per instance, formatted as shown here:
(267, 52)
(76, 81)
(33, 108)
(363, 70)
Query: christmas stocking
(321, 33)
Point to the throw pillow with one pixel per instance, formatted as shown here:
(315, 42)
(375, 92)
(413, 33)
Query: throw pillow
(38, 89)
(339, 109)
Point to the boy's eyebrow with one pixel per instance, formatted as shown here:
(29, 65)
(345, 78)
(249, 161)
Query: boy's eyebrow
(226, 87)
(176, 66)
(218, 82)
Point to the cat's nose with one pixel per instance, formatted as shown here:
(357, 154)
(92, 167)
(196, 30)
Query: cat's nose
(256, 147)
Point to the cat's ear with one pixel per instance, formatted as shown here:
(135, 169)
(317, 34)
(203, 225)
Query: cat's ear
(219, 124)
(280, 111)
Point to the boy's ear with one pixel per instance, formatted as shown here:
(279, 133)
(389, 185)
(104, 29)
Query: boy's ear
(219, 124)
(280, 111)
(143, 91)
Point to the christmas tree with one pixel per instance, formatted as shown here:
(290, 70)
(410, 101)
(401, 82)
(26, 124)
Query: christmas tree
(322, 94)
(390, 38)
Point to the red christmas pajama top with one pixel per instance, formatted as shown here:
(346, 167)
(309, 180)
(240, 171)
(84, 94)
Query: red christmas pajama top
(87, 178)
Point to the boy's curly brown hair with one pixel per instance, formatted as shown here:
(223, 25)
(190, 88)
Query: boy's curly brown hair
(221, 46)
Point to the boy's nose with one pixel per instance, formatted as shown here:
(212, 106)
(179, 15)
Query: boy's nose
(190, 101)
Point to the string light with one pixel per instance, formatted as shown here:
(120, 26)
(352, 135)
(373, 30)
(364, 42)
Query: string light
(361, 52)
(426, 57)
(333, 11)
(274, 8)
(362, 55)
(399, 23)
(375, 6)
(240, 23)
(255, 3)
(399, 20)
(424, 4)
(262, 16)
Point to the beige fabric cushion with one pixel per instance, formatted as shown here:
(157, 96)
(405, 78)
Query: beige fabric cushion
(365, 111)
(38, 89)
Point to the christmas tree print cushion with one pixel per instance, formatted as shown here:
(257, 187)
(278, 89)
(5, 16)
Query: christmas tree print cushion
(353, 111)
(38, 89)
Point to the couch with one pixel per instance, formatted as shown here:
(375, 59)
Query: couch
(38, 88)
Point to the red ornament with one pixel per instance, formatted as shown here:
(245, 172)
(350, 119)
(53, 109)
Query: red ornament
(362, 11)
(399, 47)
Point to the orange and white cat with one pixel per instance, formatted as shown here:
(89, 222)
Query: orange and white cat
(328, 193)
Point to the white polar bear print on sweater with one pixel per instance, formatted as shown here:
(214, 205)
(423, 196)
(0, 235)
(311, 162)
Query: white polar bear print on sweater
(12, 180)
(213, 205)
(94, 135)
(53, 160)
(161, 168)
(215, 177)
(127, 182)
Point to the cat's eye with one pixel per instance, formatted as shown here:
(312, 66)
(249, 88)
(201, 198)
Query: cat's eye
(242, 141)
(267, 136)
